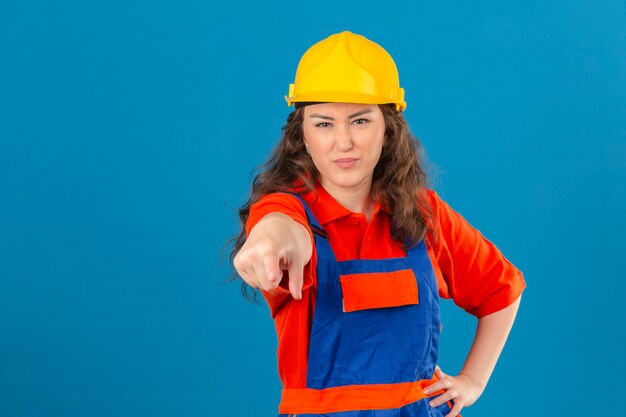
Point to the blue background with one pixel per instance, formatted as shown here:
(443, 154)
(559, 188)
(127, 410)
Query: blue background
(128, 134)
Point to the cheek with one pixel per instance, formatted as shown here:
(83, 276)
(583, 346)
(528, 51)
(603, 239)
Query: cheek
(310, 137)
(317, 143)
(376, 146)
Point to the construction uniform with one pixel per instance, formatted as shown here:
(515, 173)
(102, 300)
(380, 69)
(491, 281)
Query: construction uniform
(364, 339)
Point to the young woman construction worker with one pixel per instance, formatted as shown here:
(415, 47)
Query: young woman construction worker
(351, 250)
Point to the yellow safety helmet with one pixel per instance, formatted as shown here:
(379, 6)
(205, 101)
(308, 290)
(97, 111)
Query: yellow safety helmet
(347, 68)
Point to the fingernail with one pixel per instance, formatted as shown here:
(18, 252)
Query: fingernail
(432, 403)
(426, 391)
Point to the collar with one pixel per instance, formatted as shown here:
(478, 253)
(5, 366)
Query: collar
(327, 209)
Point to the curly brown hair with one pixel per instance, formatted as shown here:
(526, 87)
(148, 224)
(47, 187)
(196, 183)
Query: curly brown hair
(399, 179)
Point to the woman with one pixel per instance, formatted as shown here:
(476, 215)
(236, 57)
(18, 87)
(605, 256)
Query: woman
(351, 250)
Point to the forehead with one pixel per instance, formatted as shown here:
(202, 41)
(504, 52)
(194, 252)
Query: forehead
(338, 109)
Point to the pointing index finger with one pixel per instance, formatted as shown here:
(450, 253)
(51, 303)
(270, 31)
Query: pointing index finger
(296, 280)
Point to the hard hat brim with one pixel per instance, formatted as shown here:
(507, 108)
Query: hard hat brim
(342, 97)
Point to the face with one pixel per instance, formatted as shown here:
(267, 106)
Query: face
(345, 141)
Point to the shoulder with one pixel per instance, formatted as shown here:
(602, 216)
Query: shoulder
(280, 199)
(432, 198)
(441, 212)
(430, 204)
(446, 226)
(284, 203)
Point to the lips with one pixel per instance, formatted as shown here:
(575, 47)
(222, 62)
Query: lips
(345, 162)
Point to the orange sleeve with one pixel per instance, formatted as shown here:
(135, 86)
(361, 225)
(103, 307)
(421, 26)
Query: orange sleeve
(292, 207)
(477, 275)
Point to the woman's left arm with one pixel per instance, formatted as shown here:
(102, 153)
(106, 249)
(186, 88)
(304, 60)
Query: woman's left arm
(465, 388)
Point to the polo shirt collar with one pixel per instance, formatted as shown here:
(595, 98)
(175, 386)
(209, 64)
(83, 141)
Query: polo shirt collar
(327, 209)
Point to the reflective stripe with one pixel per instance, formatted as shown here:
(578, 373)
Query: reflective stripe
(353, 397)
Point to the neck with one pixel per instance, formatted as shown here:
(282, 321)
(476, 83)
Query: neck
(356, 199)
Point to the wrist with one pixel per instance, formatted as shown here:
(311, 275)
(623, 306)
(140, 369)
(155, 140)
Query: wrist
(474, 381)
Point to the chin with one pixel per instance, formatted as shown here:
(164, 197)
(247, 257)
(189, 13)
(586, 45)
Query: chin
(347, 181)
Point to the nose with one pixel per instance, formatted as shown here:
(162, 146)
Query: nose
(344, 139)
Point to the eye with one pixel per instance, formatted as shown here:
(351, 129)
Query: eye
(360, 121)
(322, 124)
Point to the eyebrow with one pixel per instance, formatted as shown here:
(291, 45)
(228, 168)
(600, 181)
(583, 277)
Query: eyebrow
(359, 113)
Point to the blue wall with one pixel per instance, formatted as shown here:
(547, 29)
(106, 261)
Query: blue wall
(128, 134)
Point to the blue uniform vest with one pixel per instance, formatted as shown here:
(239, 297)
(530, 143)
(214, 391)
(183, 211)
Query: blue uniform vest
(369, 344)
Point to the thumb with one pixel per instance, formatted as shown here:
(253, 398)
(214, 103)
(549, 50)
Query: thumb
(296, 279)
